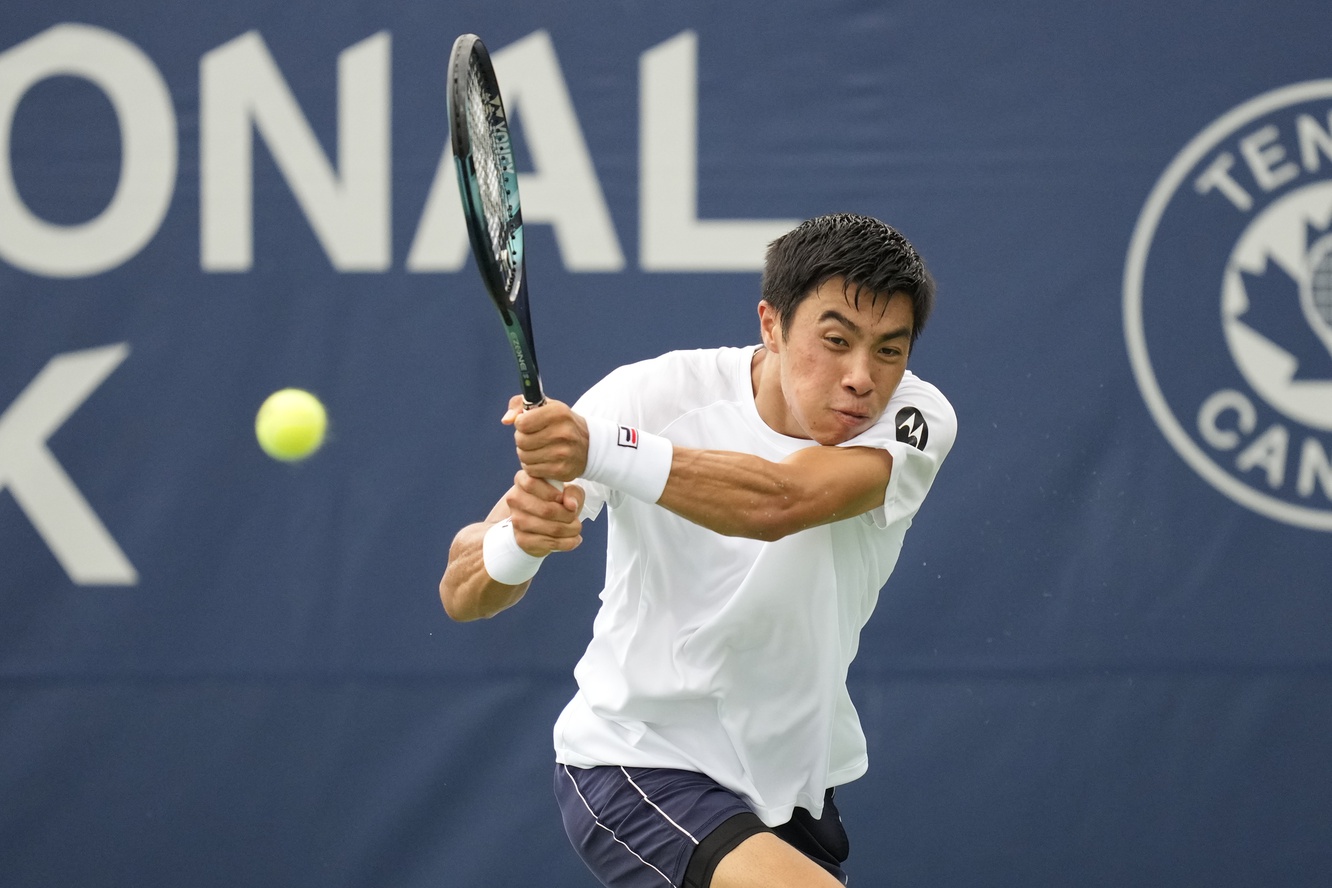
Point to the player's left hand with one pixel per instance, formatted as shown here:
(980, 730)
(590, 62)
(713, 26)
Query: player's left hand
(544, 519)
(551, 439)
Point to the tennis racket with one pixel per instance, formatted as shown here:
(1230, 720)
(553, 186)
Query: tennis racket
(488, 181)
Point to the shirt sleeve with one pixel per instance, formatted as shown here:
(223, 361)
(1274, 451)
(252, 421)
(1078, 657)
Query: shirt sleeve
(646, 395)
(918, 428)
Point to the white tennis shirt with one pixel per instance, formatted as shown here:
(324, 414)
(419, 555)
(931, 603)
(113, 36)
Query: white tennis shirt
(729, 656)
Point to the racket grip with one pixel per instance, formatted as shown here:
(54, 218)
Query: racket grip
(532, 405)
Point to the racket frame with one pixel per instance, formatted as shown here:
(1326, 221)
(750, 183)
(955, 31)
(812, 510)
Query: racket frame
(470, 55)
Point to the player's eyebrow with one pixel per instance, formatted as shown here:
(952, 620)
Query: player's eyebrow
(833, 314)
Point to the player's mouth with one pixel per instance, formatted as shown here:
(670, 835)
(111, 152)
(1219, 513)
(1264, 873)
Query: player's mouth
(851, 419)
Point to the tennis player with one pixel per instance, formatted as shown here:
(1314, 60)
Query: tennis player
(757, 501)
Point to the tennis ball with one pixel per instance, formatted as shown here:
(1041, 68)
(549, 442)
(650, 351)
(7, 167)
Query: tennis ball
(290, 424)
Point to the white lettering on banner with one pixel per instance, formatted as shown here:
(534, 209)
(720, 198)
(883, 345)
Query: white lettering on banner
(242, 94)
(1266, 160)
(1269, 451)
(1313, 140)
(671, 236)
(1218, 176)
(1315, 467)
(563, 191)
(147, 178)
(1210, 413)
(241, 88)
(41, 486)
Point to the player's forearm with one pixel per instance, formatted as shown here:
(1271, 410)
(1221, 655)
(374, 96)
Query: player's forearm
(735, 494)
(738, 494)
(467, 590)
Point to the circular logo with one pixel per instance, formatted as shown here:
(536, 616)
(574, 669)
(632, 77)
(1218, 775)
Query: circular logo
(1228, 304)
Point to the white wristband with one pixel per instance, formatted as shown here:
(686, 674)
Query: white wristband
(505, 560)
(628, 460)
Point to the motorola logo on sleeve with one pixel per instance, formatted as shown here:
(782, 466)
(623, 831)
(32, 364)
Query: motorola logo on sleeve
(1228, 304)
(911, 428)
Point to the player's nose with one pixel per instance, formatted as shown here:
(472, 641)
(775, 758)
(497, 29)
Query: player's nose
(856, 374)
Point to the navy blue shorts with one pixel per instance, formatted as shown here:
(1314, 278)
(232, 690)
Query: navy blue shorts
(654, 827)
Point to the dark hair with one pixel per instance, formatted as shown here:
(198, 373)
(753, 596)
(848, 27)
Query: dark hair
(874, 258)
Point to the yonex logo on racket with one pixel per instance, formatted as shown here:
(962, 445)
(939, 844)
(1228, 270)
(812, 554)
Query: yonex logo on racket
(1228, 304)
(628, 437)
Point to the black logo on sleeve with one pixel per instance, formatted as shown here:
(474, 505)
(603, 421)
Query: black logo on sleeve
(911, 428)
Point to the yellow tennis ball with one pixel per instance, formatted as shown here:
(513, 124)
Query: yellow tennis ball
(290, 424)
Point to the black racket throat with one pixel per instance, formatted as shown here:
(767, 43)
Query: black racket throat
(517, 319)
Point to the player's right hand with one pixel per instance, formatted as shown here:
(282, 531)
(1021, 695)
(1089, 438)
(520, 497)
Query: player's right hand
(544, 518)
(551, 440)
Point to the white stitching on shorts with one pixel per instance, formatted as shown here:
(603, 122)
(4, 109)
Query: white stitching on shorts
(658, 810)
(597, 821)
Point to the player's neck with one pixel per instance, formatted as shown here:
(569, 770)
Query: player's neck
(756, 369)
(765, 375)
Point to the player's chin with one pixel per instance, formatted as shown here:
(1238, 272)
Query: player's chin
(842, 427)
(832, 439)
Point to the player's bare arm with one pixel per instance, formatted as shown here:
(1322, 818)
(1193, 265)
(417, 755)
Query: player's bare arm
(735, 494)
(544, 520)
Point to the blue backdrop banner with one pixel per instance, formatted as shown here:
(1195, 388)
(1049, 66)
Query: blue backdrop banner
(1105, 657)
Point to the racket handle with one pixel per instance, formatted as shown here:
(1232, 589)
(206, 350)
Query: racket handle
(532, 405)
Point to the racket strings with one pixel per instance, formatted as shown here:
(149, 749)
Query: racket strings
(492, 166)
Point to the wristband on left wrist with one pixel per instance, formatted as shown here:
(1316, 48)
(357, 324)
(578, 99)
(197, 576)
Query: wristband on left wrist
(504, 559)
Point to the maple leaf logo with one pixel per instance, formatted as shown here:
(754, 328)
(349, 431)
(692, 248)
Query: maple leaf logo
(1296, 316)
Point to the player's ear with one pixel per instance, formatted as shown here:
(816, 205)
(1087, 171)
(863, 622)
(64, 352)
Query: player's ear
(770, 326)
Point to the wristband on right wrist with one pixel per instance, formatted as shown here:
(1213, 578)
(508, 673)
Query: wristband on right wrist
(628, 460)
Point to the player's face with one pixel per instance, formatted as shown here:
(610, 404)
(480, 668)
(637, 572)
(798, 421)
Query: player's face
(839, 362)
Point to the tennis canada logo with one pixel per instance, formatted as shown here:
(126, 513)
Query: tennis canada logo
(1228, 304)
